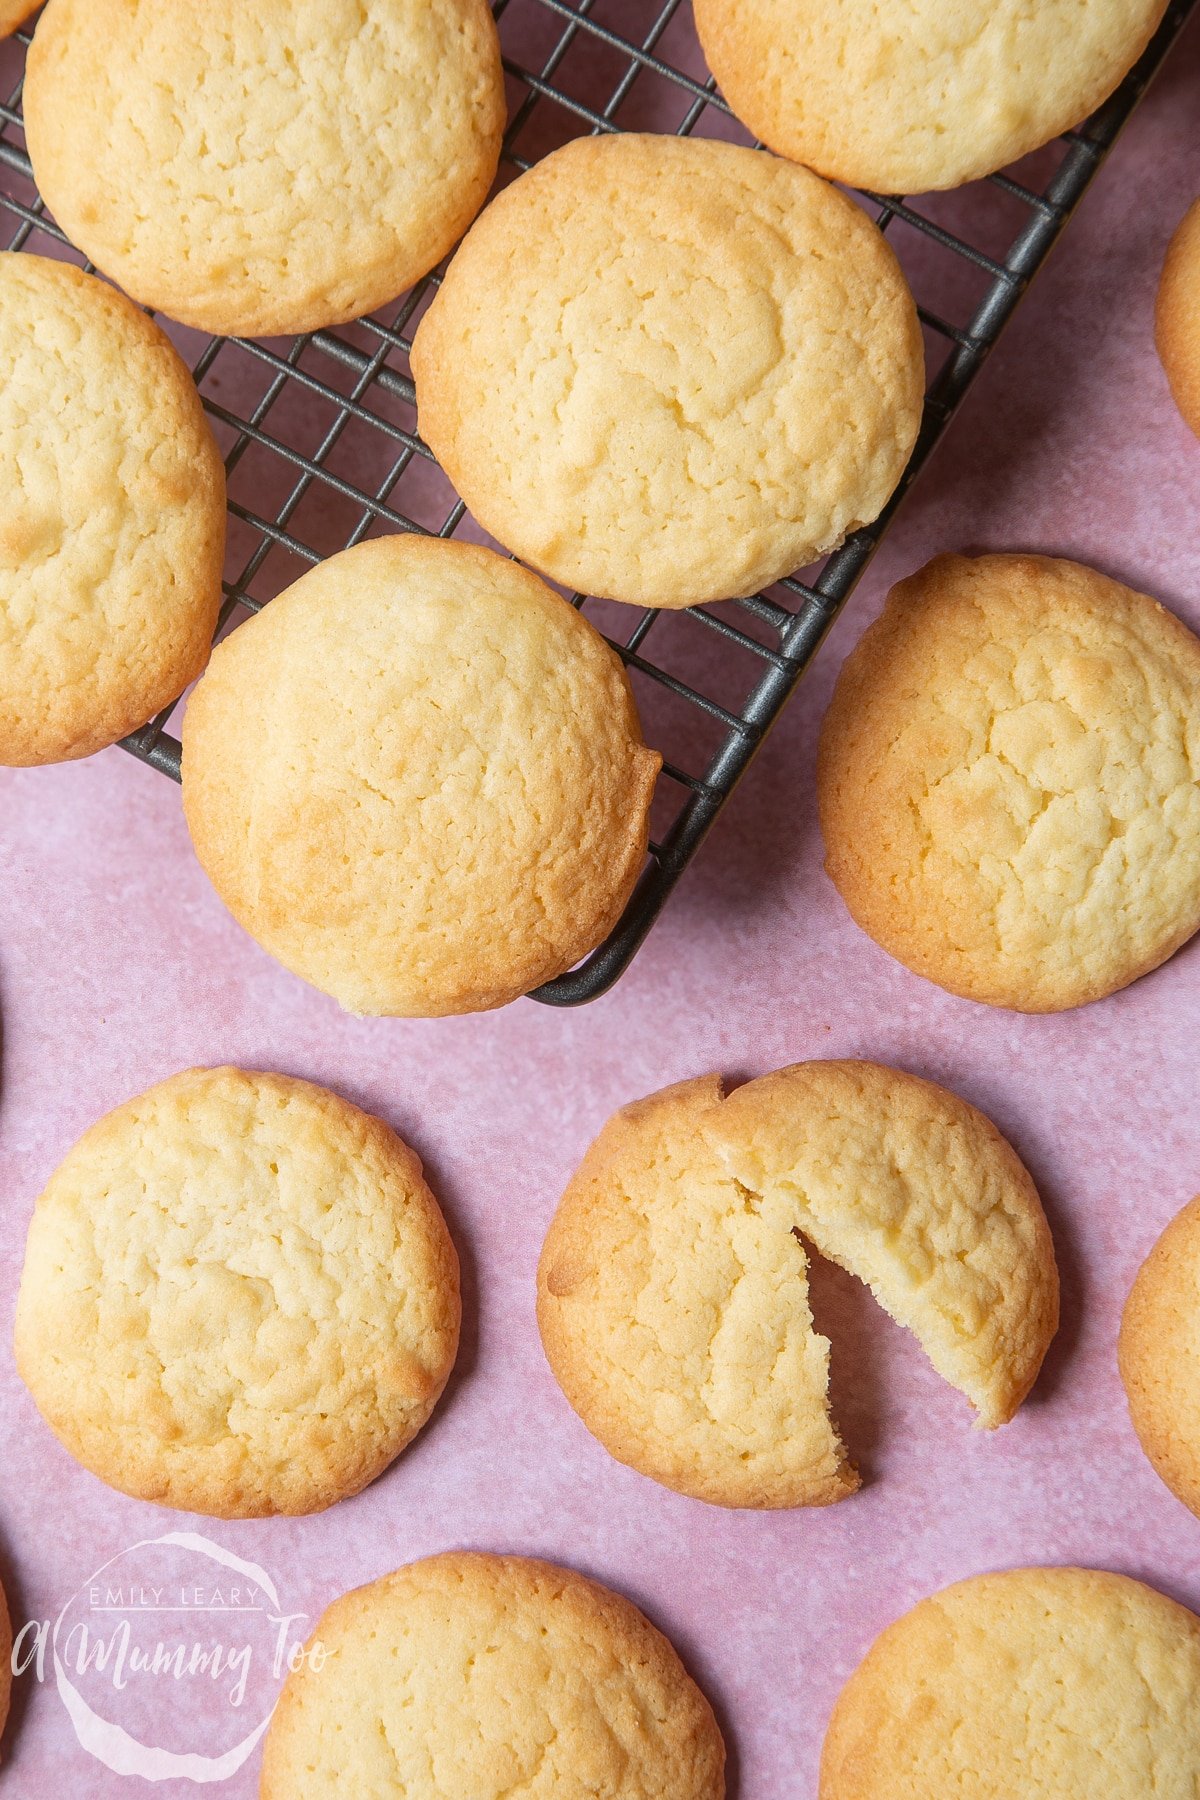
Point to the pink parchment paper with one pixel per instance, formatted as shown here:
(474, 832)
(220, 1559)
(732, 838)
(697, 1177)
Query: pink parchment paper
(118, 966)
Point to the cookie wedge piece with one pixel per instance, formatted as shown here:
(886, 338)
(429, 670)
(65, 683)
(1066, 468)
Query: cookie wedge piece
(916, 1193)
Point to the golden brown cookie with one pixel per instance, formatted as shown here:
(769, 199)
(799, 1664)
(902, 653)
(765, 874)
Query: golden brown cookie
(669, 370)
(902, 98)
(1050, 1684)
(112, 516)
(1160, 1355)
(239, 1297)
(14, 13)
(438, 798)
(1009, 781)
(266, 168)
(476, 1677)
(672, 1286)
(1177, 317)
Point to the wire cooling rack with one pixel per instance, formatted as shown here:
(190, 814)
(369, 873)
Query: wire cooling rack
(320, 439)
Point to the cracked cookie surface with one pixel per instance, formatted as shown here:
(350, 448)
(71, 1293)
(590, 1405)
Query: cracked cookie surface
(667, 370)
(1055, 1684)
(239, 1297)
(928, 94)
(1009, 781)
(253, 170)
(1160, 1356)
(1177, 317)
(476, 1677)
(672, 1286)
(441, 797)
(112, 516)
(915, 1192)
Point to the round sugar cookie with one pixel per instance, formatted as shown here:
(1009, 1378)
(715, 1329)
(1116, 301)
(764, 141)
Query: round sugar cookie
(14, 13)
(1009, 781)
(1177, 317)
(1160, 1356)
(112, 516)
(239, 1297)
(270, 168)
(476, 1677)
(672, 1286)
(665, 370)
(418, 779)
(1051, 1684)
(901, 99)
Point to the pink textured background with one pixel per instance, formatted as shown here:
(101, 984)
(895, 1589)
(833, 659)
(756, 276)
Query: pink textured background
(118, 966)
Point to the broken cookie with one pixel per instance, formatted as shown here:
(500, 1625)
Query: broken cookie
(673, 1292)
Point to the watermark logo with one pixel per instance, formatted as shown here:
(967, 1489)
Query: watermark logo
(168, 1658)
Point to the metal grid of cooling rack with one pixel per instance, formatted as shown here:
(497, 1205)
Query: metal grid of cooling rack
(356, 379)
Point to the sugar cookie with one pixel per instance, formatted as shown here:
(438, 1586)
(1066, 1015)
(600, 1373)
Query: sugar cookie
(239, 1297)
(900, 99)
(112, 516)
(672, 1288)
(1009, 781)
(1160, 1355)
(440, 797)
(267, 168)
(668, 370)
(1054, 1684)
(1177, 317)
(476, 1677)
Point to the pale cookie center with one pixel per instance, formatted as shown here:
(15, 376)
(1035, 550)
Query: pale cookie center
(928, 1280)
